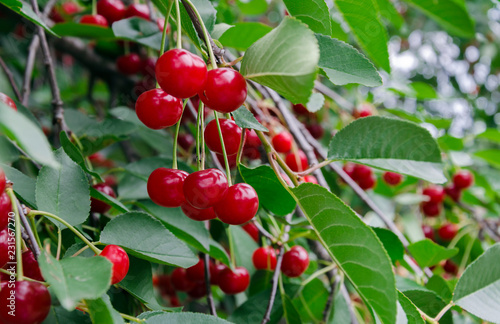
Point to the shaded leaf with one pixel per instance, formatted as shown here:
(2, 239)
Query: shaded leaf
(314, 13)
(245, 119)
(74, 29)
(242, 35)
(427, 253)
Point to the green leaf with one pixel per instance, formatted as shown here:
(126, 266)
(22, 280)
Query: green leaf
(147, 238)
(316, 102)
(422, 91)
(313, 13)
(389, 12)
(427, 253)
(411, 311)
(58, 315)
(491, 134)
(343, 64)
(394, 145)
(138, 30)
(271, 193)
(441, 287)
(252, 311)
(8, 152)
(291, 315)
(365, 262)
(25, 9)
(185, 318)
(450, 14)
(101, 311)
(24, 186)
(74, 279)
(430, 303)
(284, 60)
(362, 16)
(76, 155)
(491, 156)
(244, 246)
(74, 29)
(27, 135)
(108, 199)
(245, 119)
(391, 243)
(478, 288)
(252, 7)
(64, 191)
(340, 312)
(218, 252)
(242, 35)
(311, 301)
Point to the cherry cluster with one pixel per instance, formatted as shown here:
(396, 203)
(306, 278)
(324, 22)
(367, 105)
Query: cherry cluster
(295, 261)
(361, 174)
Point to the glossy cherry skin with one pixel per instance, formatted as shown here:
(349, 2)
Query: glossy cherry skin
(96, 20)
(4, 246)
(361, 172)
(205, 188)
(252, 139)
(8, 101)
(295, 262)
(316, 130)
(180, 280)
(112, 10)
(239, 206)
(428, 232)
(463, 179)
(98, 206)
(453, 192)
(252, 230)
(431, 209)
(196, 273)
(129, 64)
(198, 214)
(300, 109)
(32, 302)
(231, 160)
(448, 231)
(225, 90)
(137, 10)
(231, 133)
(156, 109)
(186, 141)
(234, 282)
(264, 258)
(297, 162)
(215, 270)
(165, 187)
(5, 209)
(435, 193)
(181, 73)
(30, 266)
(367, 183)
(120, 261)
(282, 142)
(3, 181)
(392, 179)
(310, 179)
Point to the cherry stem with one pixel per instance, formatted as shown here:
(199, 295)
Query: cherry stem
(35, 232)
(201, 109)
(19, 249)
(176, 135)
(33, 213)
(24, 278)
(231, 246)
(240, 149)
(126, 46)
(94, 7)
(59, 244)
(318, 273)
(179, 26)
(443, 311)
(131, 318)
(228, 169)
(313, 168)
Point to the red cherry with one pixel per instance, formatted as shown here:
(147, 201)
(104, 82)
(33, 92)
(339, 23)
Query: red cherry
(282, 142)
(120, 261)
(428, 232)
(231, 159)
(3, 181)
(5, 209)
(225, 90)
(144, 84)
(448, 231)
(181, 73)
(174, 301)
(165, 285)
(137, 10)
(367, 183)
(205, 188)
(160, 22)
(8, 101)
(450, 267)
(196, 273)
(363, 111)
(392, 179)
(453, 192)
(295, 261)
(297, 161)
(99, 206)
(4, 246)
(431, 209)
(349, 169)
(251, 153)
(435, 193)
(30, 266)
(264, 258)
(110, 180)
(199, 290)
(234, 282)
(148, 67)
(239, 205)
(198, 214)
(180, 280)
(156, 109)
(31, 299)
(100, 160)
(70, 8)
(129, 64)
(165, 187)
(316, 130)
(300, 109)
(96, 20)
(361, 172)
(112, 10)
(186, 141)
(310, 179)
(463, 179)
(230, 132)
(215, 270)
(252, 230)
(252, 139)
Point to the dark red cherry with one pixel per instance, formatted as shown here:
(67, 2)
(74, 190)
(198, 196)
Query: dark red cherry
(428, 232)
(453, 192)
(463, 179)
(4, 246)
(129, 64)
(450, 267)
(31, 299)
(295, 262)
(282, 142)
(96, 20)
(137, 10)
(234, 282)
(349, 168)
(196, 273)
(8, 101)
(120, 261)
(448, 231)
(112, 10)
(231, 159)
(186, 141)
(148, 67)
(181, 73)
(165, 285)
(431, 209)
(297, 161)
(199, 290)
(3, 181)
(180, 280)
(144, 84)
(310, 179)
(361, 172)
(315, 130)
(225, 90)
(198, 214)
(300, 109)
(30, 266)
(165, 187)
(174, 301)
(239, 205)
(156, 109)
(252, 139)
(264, 258)
(215, 270)
(230, 132)
(252, 230)
(367, 183)
(5, 209)
(99, 206)
(392, 179)
(205, 188)
(251, 153)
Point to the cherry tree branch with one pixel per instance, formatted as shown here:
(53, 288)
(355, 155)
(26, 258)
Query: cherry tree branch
(210, 298)
(10, 76)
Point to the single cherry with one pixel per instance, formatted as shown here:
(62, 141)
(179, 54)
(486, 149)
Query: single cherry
(165, 285)
(198, 214)
(112, 10)
(199, 290)
(96, 20)
(453, 192)
(361, 172)
(364, 111)
(165, 187)
(367, 183)
(31, 299)
(252, 139)
(431, 209)
(435, 194)
(225, 90)
(231, 159)
(31, 268)
(5, 209)
(215, 270)
(448, 231)
(70, 8)
(349, 169)
(251, 153)
(205, 188)
(3, 181)
(463, 179)
(282, 142)
(8, 101)
(231, 133)
(148, 66)
(392, 179)
(450, 267)
(295, 262)
(120, 261)
(4, 246)
(315, 130)
(234, 282)
(156, 109)
(160, 22)
(137, 10)
(264, 258)
(180, 280)
(186, 141)
(252, 230)
(239, 205)
(300, 109)
(196, 273)
(99, 206)
(129, 64)
(181, 73)
(428, 232)
(297, 161)
(310, 178)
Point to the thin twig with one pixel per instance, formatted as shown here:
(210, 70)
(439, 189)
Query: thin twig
(347, 298)
(263, 231)
(10, 76)
(331, 297)
(482, 222)
(32, 243)
(332, 94)
(210, 298)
